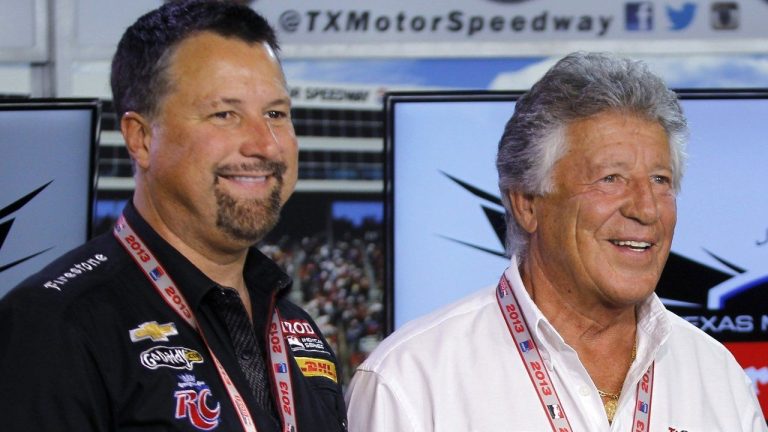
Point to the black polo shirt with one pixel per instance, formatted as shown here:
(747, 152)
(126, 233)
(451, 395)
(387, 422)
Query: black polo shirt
(87, 344)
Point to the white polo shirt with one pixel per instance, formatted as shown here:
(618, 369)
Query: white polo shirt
(458, 369)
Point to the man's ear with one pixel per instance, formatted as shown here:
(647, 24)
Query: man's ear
(137, 133)
(524, 210)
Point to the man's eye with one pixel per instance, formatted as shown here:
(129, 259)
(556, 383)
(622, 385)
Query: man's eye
(609, 178)
(223, 115)
(660, 179)
(276, 114)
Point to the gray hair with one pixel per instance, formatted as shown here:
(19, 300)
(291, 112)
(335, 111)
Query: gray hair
(579, 86)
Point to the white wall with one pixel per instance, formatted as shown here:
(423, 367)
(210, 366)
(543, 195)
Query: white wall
(63, 47)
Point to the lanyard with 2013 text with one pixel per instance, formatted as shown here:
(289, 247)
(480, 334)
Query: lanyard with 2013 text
(537, 371)
(165, 286)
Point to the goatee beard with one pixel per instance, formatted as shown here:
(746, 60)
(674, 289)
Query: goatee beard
(252, 219)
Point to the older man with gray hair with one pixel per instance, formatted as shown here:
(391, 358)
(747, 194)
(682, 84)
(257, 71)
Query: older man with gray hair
(573, 337)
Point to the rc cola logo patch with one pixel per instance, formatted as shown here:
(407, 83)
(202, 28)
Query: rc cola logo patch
(195, 402)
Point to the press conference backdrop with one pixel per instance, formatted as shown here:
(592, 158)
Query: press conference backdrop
(47, 170)
(445, 221)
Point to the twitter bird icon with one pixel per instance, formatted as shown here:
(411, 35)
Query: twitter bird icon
(682, 17)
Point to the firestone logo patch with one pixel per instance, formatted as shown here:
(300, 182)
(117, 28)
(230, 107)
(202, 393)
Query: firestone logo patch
(194, 402)
(77, 269)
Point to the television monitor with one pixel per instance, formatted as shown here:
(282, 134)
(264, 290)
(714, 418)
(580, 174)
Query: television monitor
(48, 172)
(445, 224)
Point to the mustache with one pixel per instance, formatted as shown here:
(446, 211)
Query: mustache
(275, 167)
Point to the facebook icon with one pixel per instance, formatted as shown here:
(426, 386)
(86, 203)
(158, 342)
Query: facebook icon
(639, 16)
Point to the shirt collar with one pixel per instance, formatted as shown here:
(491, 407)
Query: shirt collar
(545, 335)
(653, 329)
(262, 276)
(653, 324)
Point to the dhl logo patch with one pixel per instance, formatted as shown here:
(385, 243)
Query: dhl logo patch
(313, 367)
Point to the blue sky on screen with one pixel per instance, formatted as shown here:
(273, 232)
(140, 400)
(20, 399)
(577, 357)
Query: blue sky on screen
(447, 73)
(736, 71)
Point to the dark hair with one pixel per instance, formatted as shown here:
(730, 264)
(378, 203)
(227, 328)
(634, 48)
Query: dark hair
(578, 86)
(139, 68)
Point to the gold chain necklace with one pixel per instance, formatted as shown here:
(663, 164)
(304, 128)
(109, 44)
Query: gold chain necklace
(612, 402)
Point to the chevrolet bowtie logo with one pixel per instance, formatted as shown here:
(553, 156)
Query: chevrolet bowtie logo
(153, 330)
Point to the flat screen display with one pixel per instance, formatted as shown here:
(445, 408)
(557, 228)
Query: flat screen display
(445, 224)
(440, 161)
(47, 170)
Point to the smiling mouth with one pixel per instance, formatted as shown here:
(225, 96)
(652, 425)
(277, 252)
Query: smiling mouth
(246, 179)
(637, 246)
(253, 173)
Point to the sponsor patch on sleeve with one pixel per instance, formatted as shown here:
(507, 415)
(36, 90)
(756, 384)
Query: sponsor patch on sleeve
(301, 336)
(314, 367)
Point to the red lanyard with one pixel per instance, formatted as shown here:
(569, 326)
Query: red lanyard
(166, 288)
(537, 371)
